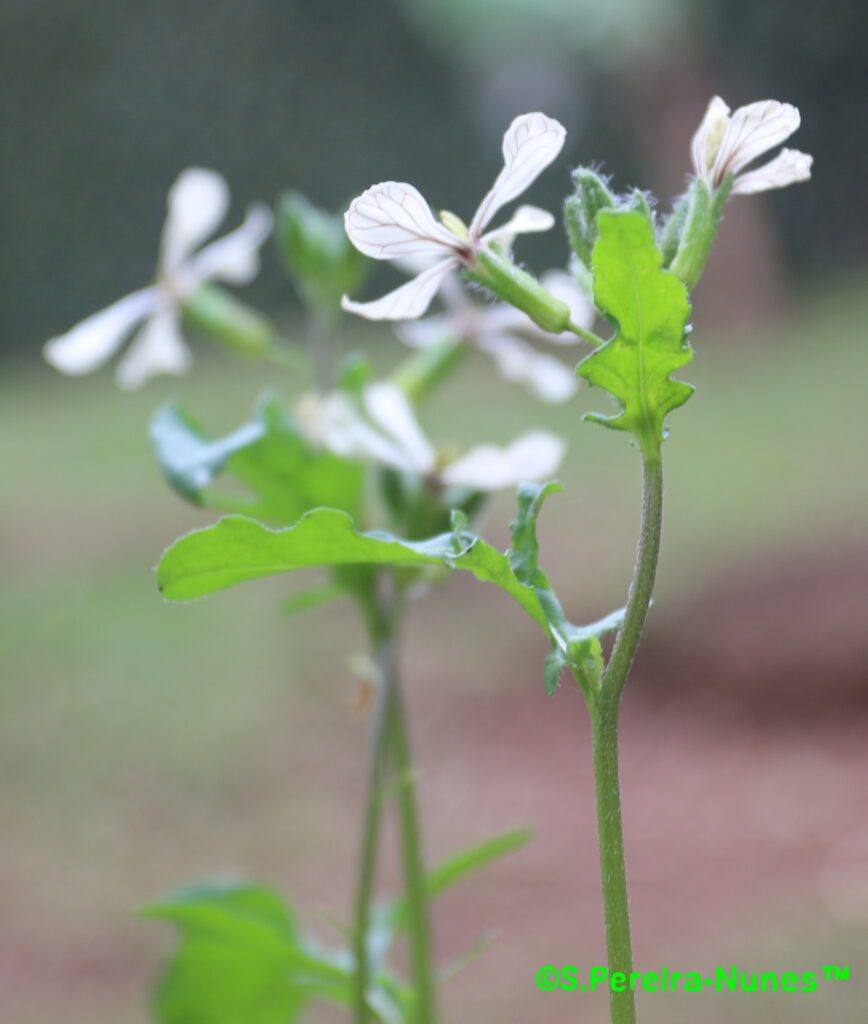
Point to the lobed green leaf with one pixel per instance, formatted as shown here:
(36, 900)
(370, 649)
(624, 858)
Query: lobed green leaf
(238, 549)
(649, 308)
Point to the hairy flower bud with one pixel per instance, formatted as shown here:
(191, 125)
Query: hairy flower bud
(581, 209)
(698, 229)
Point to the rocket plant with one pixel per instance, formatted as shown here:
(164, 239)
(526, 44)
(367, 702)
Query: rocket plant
(345, 481)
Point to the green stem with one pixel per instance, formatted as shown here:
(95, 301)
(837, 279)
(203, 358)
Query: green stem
(639, 598)
(373, 815)
(585, 335)
(414, 874)
(604, 715)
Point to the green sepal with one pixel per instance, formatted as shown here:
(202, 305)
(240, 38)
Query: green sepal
(670, 233)
(522, 290)
(649, 309)
(699, 229)
(641, 202)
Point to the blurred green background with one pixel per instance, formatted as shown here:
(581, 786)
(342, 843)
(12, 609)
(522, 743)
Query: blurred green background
(143, 744)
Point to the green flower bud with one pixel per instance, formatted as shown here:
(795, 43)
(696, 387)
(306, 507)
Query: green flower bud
(699, 230)
(670, 234)
(581, 209)
(220, 316)
(316, 253)
(523, 291)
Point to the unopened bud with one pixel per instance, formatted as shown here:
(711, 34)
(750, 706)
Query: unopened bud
(699, 229)
(581, 209)
(220, 316)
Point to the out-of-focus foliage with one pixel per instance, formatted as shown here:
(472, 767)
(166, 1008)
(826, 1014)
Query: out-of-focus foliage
(602, 32)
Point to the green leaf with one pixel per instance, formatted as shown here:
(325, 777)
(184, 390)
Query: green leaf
(241, 959)
(575, 646)
(281, 474)
(188, 457)
(391, 918)
(458, 867)
(236, 958)
(649, 309)
(238, 549)
(524, 551)
(555, 663)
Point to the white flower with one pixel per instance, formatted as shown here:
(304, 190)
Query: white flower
(500, 330)
(392, 220)
(382, 427)
(197, 203)
(725, 144)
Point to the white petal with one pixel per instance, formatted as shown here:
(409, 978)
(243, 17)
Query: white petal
(197, 202)
(525, 220)
(787, 168)
(158, 348)
(530, 144)
(372, 432)
(533, 457)
(235, 257)
(391, 411)
(427, 332)
(708, 137)
(392, 219)
(543, 375)
(408, 301)
(752, 131)
(335, 422)
(90, 343)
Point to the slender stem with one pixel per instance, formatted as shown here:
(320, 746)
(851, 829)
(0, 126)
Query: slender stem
(639, 598)
(585, 334)
(378, 756)
(604, 716)
(414, 873)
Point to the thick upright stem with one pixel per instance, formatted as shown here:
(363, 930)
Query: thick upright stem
(613, 868)
(414, 872)
(604, 714)
(377, 763)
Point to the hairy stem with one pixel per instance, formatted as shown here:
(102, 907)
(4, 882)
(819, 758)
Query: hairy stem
(604, 715)
(414, 873)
